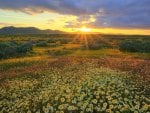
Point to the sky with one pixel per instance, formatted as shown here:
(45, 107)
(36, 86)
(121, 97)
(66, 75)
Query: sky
(105, 16)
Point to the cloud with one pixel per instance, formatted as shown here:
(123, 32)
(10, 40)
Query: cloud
(39, 6)
(81, 21)
(8, 24)
(108, 13)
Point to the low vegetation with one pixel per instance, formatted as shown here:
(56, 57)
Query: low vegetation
(74, 74)
(98, 43)
(77, 88)
(13, 49)
(41, 44)
(59, 52)
(135, 46)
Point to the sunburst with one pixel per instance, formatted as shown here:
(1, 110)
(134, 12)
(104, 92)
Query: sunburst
(85, 29)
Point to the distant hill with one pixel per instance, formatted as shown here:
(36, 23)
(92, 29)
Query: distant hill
(27, 30)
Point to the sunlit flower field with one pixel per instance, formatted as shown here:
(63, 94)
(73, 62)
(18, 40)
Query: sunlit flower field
(75, 89)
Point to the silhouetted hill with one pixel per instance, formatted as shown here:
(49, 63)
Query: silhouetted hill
(26, 30)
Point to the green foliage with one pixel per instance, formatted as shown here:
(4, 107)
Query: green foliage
(97, 43)
(61, 40)
(146, 47)
(135, 46)
(42, 44)
(64, 40)
(53, 45)
(13, 49)
(19, 64)
(24, 48)
(56, 44)
(51, 40)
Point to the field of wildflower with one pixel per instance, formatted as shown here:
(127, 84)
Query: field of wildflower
(76, 87)
(65, 74)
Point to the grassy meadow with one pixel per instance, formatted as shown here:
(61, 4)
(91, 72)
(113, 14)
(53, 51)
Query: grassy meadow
(74, 73)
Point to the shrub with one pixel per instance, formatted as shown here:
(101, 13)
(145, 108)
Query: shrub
(55, 44)
(146, 47)
(64, 41)
(135, 46)
(24, 48)
(61, 40)
(51, 40)
(96, 44)
(13, 49)
(42, 44)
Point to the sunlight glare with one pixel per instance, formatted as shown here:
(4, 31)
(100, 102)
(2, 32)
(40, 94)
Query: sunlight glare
(85, 29)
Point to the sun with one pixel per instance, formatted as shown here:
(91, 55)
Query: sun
(85, 29)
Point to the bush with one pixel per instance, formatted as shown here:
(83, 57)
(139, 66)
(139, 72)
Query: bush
(13, 49)
(146, 47)
(56, 44)
(96, 44)
(61, 40)
(135, 46)
(64, 40)
(42, 44)
(24, 48)
(51, 40)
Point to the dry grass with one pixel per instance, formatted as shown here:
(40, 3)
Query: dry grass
(135, 66)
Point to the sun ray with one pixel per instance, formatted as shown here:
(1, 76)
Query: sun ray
(84, 29)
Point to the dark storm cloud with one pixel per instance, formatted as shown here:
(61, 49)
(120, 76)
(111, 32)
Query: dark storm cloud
(108, 13)
(39, 6)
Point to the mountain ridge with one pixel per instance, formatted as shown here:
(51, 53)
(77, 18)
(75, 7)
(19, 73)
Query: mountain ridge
(11, 30)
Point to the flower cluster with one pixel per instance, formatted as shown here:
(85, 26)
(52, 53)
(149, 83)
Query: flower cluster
(74, 89)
